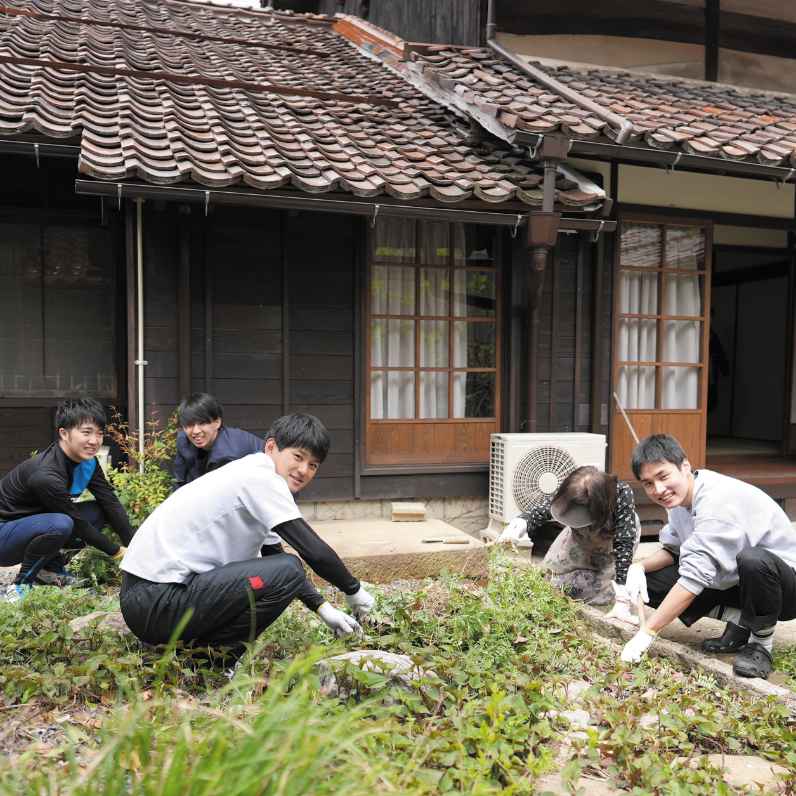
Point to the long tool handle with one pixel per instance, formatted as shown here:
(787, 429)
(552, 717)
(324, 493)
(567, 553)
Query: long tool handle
(642, 617)
(627, 419)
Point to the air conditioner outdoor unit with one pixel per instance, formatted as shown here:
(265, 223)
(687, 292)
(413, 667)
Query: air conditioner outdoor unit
(524, 469)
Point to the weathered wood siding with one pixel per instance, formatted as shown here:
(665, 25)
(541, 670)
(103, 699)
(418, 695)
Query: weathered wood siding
(566, 345)
(441, 21)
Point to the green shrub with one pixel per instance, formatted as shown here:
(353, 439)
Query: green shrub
(145, 481)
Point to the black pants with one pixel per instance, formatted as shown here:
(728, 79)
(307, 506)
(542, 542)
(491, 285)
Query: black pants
(766, 591)
(229, 605)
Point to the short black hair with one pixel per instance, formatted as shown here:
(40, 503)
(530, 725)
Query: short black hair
(73, 412)
(657, 448)
(199, 407)
(300, 431)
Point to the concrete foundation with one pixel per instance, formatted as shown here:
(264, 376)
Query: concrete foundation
(467, 514)
(380, 551)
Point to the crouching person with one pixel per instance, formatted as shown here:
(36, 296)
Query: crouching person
(213, 548)
(729, 552)
(589, 559)
(38, 515)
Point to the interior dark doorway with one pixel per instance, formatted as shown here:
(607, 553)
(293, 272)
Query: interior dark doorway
(748, 348)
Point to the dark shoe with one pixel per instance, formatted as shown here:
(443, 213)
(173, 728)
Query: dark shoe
(753, 660)
(733, 639)
(59, 578)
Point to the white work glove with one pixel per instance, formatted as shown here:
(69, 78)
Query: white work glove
(636, 584)
(637, 646)
(339, 622)
(517, 529)
(623, 609)
(360, 602)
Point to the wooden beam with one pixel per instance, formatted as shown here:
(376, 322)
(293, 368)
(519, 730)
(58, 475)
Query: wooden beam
(653, 19)
(184, 304)
(712, 32)
(129, 252)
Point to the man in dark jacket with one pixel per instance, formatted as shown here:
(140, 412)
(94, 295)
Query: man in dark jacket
(38, 512)
(205, 443)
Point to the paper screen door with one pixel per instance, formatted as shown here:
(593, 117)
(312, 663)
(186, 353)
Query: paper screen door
(660, 335)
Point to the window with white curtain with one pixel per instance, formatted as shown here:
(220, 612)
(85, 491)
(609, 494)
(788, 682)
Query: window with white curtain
(660, 316)
(432, 322)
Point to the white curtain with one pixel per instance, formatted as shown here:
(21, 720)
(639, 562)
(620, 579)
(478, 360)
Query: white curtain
(434, 300)
(642, 246)
(638, 294)
(392, 340)
(685, 250)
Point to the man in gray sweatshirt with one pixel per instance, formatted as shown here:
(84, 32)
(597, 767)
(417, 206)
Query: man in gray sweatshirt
(729, 552)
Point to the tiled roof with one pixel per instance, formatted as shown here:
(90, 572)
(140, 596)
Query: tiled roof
(693, 117)
(174, 92)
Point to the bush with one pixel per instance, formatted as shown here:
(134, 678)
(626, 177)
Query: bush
(145, 481)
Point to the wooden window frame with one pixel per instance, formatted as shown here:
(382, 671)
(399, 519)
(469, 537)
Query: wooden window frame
(446, 463)
(664, 222)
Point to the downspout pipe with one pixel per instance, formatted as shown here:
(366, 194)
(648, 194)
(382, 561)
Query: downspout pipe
(621, 124)
(140, 362)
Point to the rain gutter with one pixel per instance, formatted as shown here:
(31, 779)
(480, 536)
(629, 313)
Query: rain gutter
(623, 126)
(373, 209)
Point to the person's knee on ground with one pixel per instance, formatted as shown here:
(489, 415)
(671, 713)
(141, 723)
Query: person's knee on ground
(43, 548)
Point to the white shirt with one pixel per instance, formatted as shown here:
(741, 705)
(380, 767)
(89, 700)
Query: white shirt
(726, 517)
(224, 516)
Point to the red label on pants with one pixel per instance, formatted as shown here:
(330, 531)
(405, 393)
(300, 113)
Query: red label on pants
(256, 582)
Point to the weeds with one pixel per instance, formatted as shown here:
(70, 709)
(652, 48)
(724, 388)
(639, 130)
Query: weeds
(490, 717)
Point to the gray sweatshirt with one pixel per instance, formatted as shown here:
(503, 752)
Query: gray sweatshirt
(726, 517)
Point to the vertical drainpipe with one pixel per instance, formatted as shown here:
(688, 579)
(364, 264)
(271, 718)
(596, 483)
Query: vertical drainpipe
(542, 236)
(140, 362)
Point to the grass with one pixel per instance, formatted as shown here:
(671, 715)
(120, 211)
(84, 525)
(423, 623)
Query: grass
(484, 720)
(785, 662)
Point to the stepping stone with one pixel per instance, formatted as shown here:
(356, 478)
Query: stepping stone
(85, 626)
(400, 669)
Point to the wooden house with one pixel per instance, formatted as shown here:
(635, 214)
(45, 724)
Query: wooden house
(421, 243)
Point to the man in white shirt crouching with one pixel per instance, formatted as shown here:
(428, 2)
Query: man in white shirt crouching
(729, 552)
(214, 548)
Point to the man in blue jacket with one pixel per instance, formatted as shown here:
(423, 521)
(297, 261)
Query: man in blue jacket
(205, 443)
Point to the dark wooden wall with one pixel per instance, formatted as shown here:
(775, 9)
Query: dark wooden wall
(442, 21)
(71, 236)
(566, 342)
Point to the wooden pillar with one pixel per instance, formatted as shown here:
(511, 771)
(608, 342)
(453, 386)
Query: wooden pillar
(184, 304)
(130, 321)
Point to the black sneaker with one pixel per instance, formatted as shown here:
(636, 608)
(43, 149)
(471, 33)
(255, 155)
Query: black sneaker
(733, 639)
(59, 578)
(754, 660)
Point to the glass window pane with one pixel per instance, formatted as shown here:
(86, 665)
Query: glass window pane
(638, 293)
(473, 394)
(474, 293)
(636, 387)
(641, 246)
(474, 345)
(435, 248)
(637, 341)
(392, 290)
(682, 295)
(681, 341)
(680, 388)
(685, 248)
(392, 395)
(435, 285)
(433, 344)
(395, 240)
(392, 343)
(473, 245)
(433, 394)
